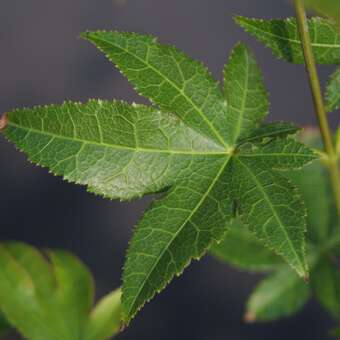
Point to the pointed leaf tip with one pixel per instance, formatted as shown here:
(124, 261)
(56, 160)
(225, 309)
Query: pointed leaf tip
(3, 121)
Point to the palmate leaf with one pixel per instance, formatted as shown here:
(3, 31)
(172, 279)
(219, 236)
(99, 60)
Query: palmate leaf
(282, 37)
(279, 295)
(51, 301)
(333, 92)
(122, 151)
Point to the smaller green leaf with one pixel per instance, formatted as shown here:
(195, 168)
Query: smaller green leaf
(269, 131)
(313, 182)
(326, 282)
(53, 300)
(241, 249)
(280, 295)
(333, 92)
(282, 37)
(105, 319)
(280, 154)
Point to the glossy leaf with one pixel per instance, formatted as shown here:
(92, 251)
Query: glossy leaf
(282, 37)
(241, 249)
(117, 150)
(126, 151)
(280, 295)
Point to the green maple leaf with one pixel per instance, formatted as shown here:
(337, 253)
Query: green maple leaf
(193, 147)
(282, 37)
(53, 300)
(333, 92)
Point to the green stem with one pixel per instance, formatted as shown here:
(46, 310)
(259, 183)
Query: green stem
(318, 100)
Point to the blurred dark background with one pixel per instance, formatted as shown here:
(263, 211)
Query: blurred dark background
(42, 61)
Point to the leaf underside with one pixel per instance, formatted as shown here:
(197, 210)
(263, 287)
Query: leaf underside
(210, 153)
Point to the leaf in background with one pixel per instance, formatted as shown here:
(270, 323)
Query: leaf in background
(122, 151)
(282, 37)
(41, 303)
(280, 295)
(313, 183)
(105, 319)
(327, 8)
(326, 282)
(269, 131)
(245, 92)
(49, 300)
(333, 92)
(241, 249)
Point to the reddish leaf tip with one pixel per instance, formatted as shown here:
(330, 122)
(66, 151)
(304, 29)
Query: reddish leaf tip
(249, 317)
(3, 121)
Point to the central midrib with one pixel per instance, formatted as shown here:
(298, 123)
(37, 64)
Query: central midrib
(278, 219)
(218, 175)
(120, 147)
(244, 100)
